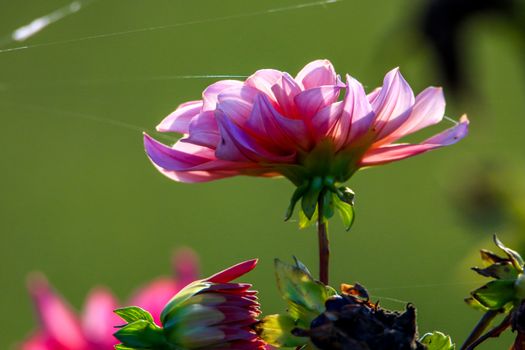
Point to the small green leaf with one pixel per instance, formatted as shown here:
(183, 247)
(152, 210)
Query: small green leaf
(504, 270)
(276, 330)
(141, 334)
(123, 347)
(437, 341)
(311, 196)
(133, 313)
(298, 193)
(495, 294)
(346, 211)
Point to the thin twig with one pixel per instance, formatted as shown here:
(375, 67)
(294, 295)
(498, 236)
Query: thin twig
(483, 324)
(493, 333)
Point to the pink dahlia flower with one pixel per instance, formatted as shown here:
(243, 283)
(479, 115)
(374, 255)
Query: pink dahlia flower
(62, 329)
(313, 125)
(208, 314)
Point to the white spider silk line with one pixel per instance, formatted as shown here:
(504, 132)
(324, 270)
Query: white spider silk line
(25, 32)
(174, 25)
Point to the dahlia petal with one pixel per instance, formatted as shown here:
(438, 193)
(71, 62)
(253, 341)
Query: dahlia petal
(237, 145)
(210, 94)
(237, 102)
(179, 120)
(186, 266)
(169, 158)
(263, 80)
(233, 272)
(284, 132)
(311, 101)
(390, 153)
(57, 318)
(356, 117)
(285, 90)
(393, 104)
(428, 109)
(325, 120)
(154, 296)
(98, 318)
(203, 130)
(38, 342)
(317, 73)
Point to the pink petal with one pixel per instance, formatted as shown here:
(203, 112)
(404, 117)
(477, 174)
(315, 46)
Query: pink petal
(263, 80)
(154, 296)
(311, 101)
(211, 93)
(428, 109)
(390, 153)
(186, 266)
(237, 103)
(237, 145)
(203, 130)
(179, 120)
(325, 120)
(37, 342)
(268, 124)
(393, 104)
(233, 272)
(356, 117)
(317, 73)
(58, 320)
(285, 90)
(99, 320)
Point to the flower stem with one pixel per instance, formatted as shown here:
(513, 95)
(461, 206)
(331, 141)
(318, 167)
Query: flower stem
(493, 333)
(482, 325)
(324, 244)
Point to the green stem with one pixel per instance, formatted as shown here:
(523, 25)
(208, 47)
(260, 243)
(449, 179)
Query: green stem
(482, 325)
(324, 244)
(493, 333)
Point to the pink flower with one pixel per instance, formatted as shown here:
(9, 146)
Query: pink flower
(62, 329)
(273, 124)
(212, 313)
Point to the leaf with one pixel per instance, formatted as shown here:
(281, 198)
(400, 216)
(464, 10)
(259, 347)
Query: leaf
(516, 259)
(133, 313)
(501, 270)
(437, 341)
(311, 196)
(346, 211)
(305, 296)
(304, 222)
(475, 304)
(141, 334)
(495, 294)
(276, 330)
(298, 193)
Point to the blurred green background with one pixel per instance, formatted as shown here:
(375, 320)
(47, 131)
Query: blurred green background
(80, 202)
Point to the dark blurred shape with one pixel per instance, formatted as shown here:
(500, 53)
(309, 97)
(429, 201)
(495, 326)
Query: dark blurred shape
(443, 22)
(352, 322)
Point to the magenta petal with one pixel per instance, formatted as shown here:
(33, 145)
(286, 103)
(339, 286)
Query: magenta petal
(210, 94)
(233, 272)
(285, 90)
(237, 103)
(98, 319)
(317, 73)
(309, 102)
(154, 296)
(263, 80)
(325, 120)
(393, 104)
(356, 117)
(186, 266)
(390, 153)
(428, 109)
(203, 130)
(180, 119)
(57, 318)
(269, 124)
(38, 341)
(172, 159)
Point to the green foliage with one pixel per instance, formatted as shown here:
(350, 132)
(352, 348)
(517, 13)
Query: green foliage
(437, 341)
(133, 313)
(141, 334)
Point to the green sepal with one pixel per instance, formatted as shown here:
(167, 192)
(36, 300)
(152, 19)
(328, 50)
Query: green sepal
(133, 313)
(124, 347)
(298, 193)
(311, 197)
(181, 297)
(437, 341)
(473, 303)
(504, 270)
(305, 296)
(346, 212)
(304, 222)
(514, 257)
(495, 294)
(328, 204)
(276, 330)
(141, 334)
